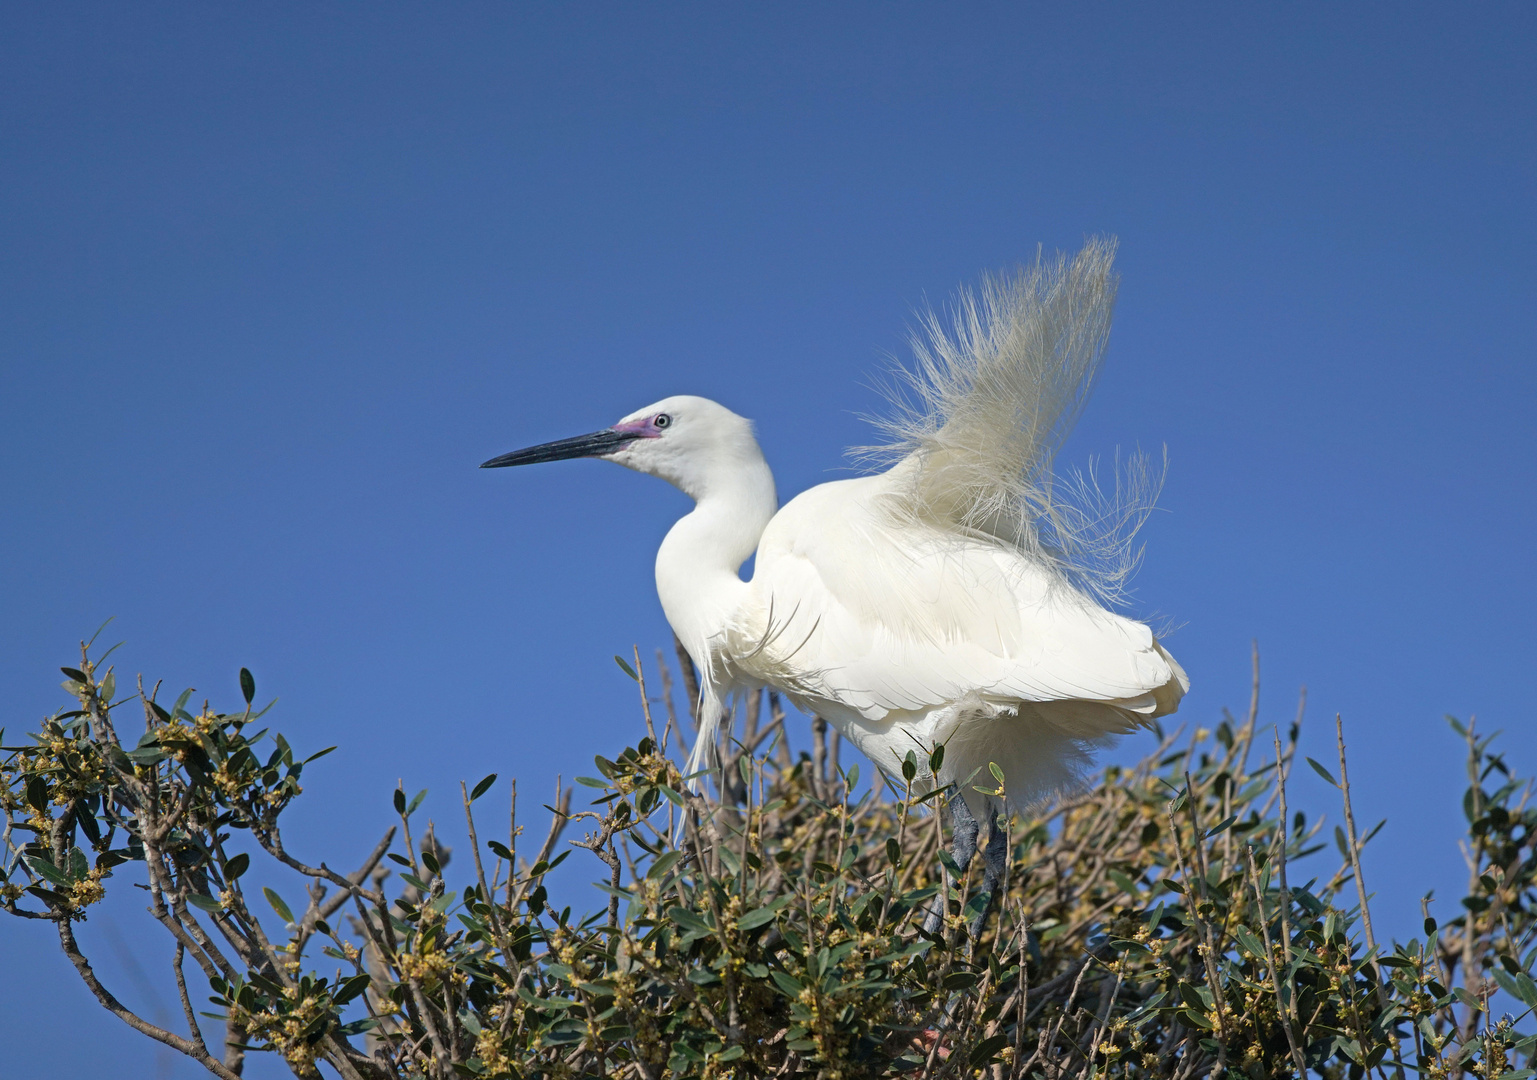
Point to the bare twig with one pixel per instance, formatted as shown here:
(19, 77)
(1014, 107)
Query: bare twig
(690, 679)
(1353, 844)
(194, 1050)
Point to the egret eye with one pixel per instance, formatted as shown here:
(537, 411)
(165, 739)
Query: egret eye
(662, 420)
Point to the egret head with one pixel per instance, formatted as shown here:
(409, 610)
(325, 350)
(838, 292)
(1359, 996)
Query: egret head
(691, 442)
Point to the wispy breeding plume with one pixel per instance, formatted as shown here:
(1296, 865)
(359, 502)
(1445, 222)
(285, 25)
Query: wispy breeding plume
(995, 388)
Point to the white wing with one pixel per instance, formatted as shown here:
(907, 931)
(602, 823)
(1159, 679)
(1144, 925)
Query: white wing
(852, 615)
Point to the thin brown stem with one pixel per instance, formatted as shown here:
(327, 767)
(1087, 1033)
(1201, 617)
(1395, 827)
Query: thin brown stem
(195, 1051)
(690, 680)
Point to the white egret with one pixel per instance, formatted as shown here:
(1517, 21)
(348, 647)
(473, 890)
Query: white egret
(957, 598)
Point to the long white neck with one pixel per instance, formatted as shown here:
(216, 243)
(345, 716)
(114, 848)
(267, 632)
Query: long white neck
(699, 561)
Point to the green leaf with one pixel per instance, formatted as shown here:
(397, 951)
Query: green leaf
(992, 767)
(1125, 884)
(499, 849)
(689, 921)
(984, 1050)
(74, 673)
(623, 894)
(482, 787)
(316, 1028)
(417, 801)
(270, 987)
(787, 983)
(47, 896)
(400, 801)
(236, 865)
(759, 916)
(936, 759)
(277, 905)
(663, 864)
(47, 870)
(116, 857)
(1249, 941)
(247, 685)
(207, 903)
(1192, 1019)
(89, 825)
(1519, 986)
(1221, 826)
(626, 668)
(1323, 772)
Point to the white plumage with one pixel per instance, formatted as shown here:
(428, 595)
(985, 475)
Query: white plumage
(956, 597)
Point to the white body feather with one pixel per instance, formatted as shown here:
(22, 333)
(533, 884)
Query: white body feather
(904, 639)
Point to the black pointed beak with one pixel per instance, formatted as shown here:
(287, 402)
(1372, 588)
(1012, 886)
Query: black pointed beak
(597, 444)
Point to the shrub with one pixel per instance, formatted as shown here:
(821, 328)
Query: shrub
(1150, 927)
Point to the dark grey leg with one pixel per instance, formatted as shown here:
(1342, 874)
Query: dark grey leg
(963, 845)
(995, 860)
(964, 829)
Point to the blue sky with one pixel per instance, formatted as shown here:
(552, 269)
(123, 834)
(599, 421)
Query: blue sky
(274, 281)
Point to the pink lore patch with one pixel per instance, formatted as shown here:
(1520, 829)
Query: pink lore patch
(641, 428)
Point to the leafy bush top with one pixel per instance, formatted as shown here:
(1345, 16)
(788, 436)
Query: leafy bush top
(774, 928)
